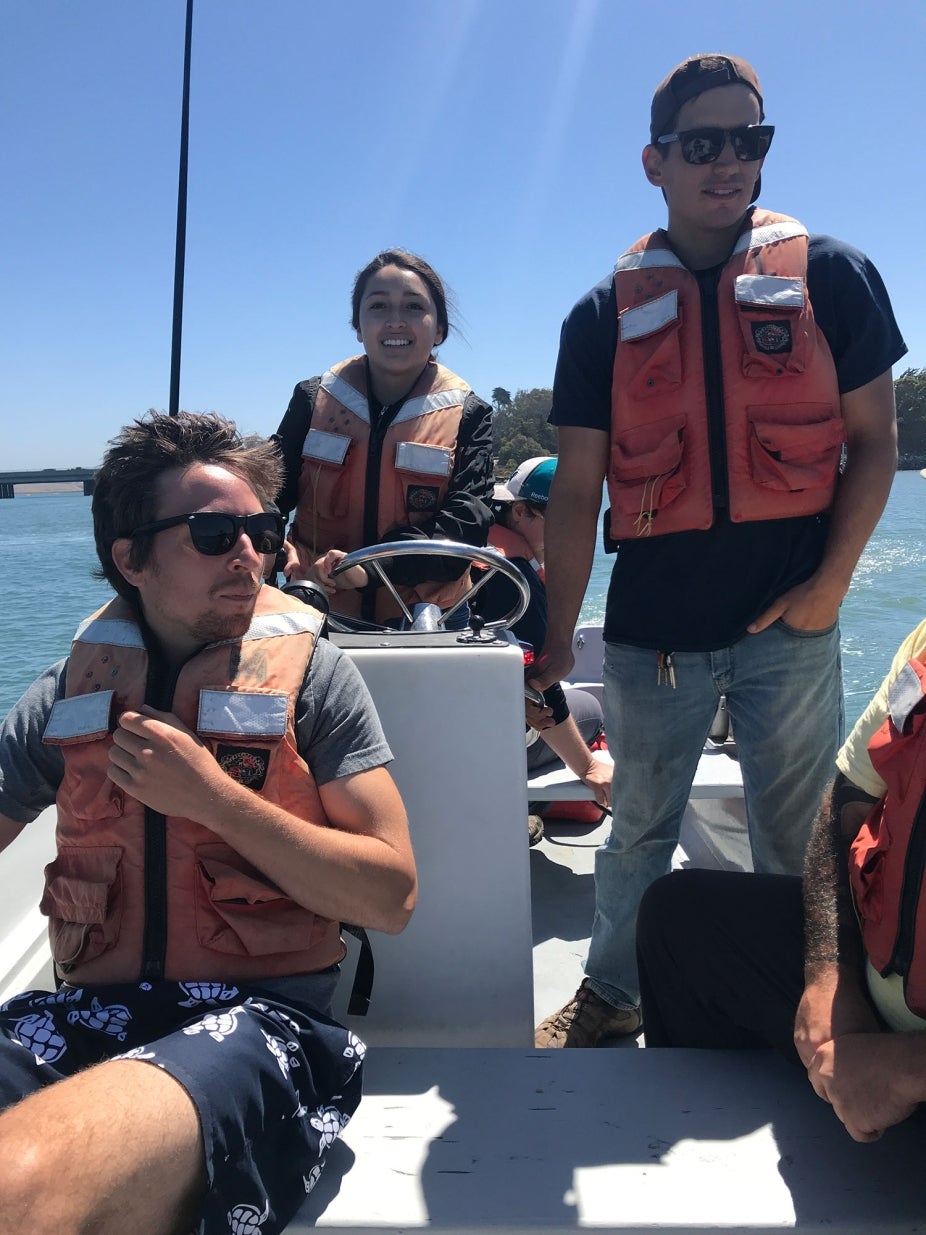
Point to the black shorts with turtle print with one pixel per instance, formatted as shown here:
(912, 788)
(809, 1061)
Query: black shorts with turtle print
(274, 1081)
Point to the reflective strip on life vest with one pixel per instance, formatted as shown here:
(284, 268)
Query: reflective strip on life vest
(329, 447)
(347, 395)
(242, 713)
(82, 716)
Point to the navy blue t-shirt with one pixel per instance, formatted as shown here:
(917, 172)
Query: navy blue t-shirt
(698, 591)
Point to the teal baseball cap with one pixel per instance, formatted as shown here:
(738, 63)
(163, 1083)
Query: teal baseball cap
(529, 482)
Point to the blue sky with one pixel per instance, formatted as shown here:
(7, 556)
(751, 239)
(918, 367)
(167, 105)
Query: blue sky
(499, 138)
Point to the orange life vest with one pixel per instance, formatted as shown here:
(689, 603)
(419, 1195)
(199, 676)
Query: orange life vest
(782, 429)
(888, 857)
(132, 895)
(414, 470)
(511, 544)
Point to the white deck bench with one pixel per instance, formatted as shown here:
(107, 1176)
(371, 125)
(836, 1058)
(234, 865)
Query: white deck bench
(717, 776)
(611, 1140)
(713, 829)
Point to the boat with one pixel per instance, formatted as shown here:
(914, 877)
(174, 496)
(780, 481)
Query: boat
(464, 1125)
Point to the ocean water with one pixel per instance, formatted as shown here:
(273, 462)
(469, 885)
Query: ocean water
(47, 556)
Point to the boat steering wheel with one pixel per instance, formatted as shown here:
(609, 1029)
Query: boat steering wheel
(377, 558)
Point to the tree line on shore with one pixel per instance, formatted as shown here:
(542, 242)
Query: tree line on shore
(521, 429)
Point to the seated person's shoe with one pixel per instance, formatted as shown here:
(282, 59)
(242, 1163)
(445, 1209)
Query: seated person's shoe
(534, 830)
(585, 1021)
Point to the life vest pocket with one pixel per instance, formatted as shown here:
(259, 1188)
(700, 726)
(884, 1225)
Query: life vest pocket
(775, 323)
(647, 468)
(81, 726)
(325, 485)
(83, 902)
(649, 356)
(794, 446)
(422, 474)
(239, 912)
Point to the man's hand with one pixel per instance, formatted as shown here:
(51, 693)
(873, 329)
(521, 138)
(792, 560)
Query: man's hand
(158, 760)
(809, 606)
(872, 1080)
(832, 1005)
(598, 779)
(538, 717)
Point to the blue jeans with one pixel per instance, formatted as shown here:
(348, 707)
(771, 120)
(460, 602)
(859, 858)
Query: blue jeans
(784, 695)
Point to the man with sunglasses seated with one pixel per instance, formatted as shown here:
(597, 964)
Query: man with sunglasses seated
(714, 381)
(222, 805)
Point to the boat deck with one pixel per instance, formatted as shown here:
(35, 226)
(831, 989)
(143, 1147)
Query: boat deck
(562, 867)
(550, 1142)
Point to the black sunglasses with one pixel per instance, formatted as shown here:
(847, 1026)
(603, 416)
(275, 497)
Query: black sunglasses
(213, 532)
(749, 141)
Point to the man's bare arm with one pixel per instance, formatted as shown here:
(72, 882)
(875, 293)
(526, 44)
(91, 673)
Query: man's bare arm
(834, 1000)
(570, 536)
(873, 1079)
(567, 742)
(861, 492)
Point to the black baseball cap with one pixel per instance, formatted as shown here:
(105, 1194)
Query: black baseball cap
(691, 78)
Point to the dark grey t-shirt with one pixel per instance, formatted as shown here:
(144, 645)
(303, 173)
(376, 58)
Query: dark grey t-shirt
(337, 730)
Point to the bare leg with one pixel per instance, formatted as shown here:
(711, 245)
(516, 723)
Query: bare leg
(112, 1149)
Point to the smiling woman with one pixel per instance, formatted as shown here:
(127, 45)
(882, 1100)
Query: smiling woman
(388, 445)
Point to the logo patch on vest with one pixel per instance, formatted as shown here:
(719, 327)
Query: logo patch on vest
(771, 337)
(421, 497)
(246, 764)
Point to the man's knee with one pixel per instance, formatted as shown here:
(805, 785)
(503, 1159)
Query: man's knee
(673, 903)
(688, 920)
(27, 1182)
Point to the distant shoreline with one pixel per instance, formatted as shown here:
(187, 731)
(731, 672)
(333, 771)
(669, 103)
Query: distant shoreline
(75, 486)
(49, 486)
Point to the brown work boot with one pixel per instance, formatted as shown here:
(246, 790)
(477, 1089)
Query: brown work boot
(585, 1021)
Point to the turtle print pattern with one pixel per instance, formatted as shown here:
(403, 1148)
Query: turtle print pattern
(206, 992)
(246, 1220)
(112, 1019)
(218, 1025)
(329, 1123)
(356, 1049)
(42, 999)
(285, 1053)
(37, 1033)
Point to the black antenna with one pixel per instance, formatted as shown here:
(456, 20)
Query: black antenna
(180, 248)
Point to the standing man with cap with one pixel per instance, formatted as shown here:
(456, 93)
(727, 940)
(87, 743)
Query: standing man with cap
(713, 382)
